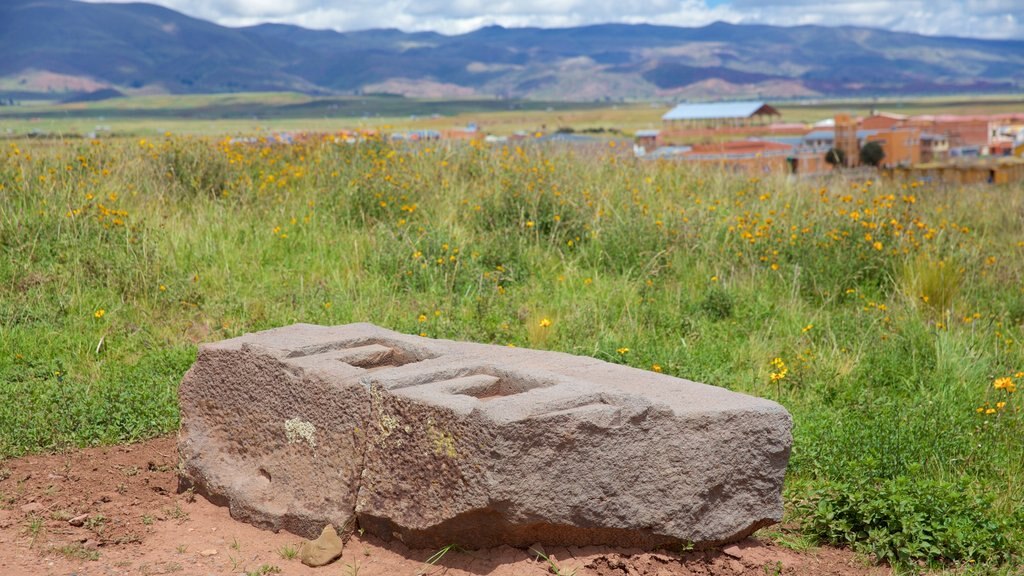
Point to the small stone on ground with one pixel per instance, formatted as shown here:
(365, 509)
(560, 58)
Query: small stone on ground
(322, 551)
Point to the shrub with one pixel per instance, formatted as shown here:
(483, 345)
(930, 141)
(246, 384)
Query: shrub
(717, 303)
(904, 520)
(836, 157)
(872, 154)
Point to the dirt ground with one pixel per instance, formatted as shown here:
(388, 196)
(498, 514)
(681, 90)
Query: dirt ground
(115, 510)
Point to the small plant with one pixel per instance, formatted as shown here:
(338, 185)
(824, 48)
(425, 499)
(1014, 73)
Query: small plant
(147, 519)
(235, 545)
(34, 527)
(435, 558)
(553, 567)
(352, 569)
(263, 570)
(717, 304)
(288, 552)
(61, 515)
(176, 513)
(787, 538)
(76, 552)
(182, 548)
(96, 522)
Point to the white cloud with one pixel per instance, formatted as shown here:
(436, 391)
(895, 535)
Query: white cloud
(969, 18)
(972, 18)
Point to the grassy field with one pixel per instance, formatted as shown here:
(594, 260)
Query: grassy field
(887, 318)
(260, 113)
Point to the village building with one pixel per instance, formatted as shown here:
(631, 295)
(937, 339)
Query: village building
(934, 147)
(720, 114)
(882, 121)
(700, 133)
(902, 146)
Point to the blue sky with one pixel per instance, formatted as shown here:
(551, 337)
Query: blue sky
(973, 18)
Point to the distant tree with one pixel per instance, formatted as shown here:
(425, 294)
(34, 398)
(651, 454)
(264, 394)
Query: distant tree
(872, 154)
(835, 157)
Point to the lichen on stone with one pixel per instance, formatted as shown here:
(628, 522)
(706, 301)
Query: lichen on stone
(298, 430)
(444, 442)
(387, 423)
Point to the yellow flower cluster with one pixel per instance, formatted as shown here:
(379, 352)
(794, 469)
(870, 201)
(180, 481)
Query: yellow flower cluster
(1006, 383)
(781, 371)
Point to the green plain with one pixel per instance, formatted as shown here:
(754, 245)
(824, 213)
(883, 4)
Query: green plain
(882, 315)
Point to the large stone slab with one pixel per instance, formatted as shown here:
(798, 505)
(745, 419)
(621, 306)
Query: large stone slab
(434, 442)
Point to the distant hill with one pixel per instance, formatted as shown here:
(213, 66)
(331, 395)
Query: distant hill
(63, 46)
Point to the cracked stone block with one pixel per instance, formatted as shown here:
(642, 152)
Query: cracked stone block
(434, 442)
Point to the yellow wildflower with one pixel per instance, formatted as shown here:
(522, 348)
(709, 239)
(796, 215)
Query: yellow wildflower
(781, 371)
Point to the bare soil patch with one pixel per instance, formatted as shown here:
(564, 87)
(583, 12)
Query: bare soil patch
(115, 510)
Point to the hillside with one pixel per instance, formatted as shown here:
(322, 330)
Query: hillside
(61, 46)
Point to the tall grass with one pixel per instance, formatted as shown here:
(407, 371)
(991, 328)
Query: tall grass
(892, 309)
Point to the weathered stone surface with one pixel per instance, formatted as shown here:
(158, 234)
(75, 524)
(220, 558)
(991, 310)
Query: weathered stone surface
(32, 508)
(322, 551)
(436, 442)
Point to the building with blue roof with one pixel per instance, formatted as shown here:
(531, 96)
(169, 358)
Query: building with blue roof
(721, 113)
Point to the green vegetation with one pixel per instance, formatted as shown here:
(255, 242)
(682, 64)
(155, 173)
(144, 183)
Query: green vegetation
(836, 157)
(263, 570)
(287, 552)
(872, 154)
(886, 318)
(76, 551)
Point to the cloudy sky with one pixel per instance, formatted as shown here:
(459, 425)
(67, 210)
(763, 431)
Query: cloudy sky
(976, 18)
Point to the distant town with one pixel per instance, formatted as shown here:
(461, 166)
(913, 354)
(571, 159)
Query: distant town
(753, 138)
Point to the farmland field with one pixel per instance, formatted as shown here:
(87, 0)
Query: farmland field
(259, 113)
(886, 317)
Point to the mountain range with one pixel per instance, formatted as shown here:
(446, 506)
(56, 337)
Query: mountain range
(64, 46)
